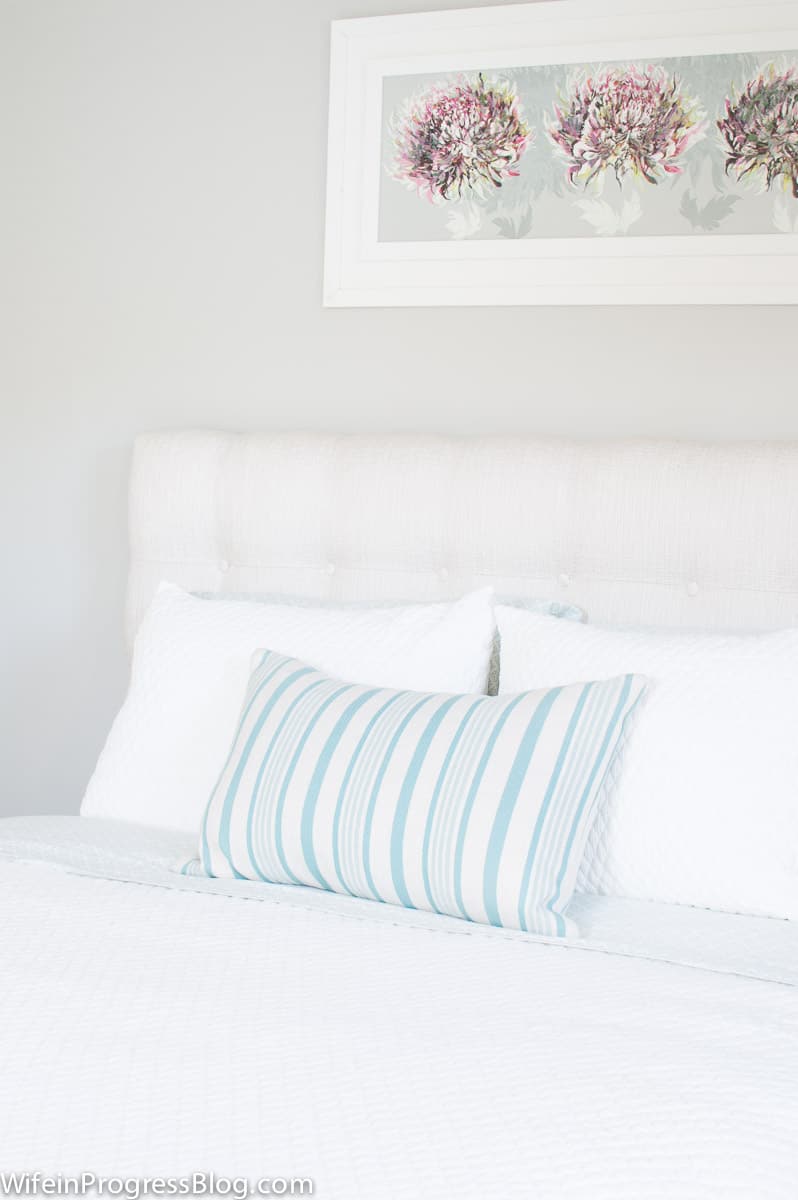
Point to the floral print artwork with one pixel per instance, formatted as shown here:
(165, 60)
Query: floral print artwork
(678, 147)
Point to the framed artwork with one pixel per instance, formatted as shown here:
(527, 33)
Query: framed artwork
(565, 152)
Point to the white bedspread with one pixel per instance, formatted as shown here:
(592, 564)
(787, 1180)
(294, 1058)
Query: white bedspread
(156, 1024)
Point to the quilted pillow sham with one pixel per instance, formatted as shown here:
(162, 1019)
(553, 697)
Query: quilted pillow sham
(705, 811)
(552, 608)
(191, 662)
(473, 806)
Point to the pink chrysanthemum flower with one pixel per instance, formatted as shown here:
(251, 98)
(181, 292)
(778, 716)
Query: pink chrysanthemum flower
(760, 128)
(460, 139)
(627, 120)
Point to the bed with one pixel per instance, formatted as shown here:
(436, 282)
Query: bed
(159, 1024)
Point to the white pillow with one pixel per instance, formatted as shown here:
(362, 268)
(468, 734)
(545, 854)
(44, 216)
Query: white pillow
(704, 808)
(191, 664)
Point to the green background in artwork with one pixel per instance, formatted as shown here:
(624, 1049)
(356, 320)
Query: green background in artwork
(541, 203)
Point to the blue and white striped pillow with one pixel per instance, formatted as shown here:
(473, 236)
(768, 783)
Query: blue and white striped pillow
(469, 805)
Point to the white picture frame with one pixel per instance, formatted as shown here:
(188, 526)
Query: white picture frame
(362, 270)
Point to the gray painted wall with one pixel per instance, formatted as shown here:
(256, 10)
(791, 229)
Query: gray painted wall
(161, 217)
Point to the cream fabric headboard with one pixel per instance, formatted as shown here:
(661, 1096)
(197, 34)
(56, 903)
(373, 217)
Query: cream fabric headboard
(650, 533)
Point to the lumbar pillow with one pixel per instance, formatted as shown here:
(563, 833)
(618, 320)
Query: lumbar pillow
(191, 663)
(468, 805)
(706, 807)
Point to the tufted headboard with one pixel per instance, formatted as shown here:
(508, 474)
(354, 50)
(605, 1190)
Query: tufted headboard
(650, 533)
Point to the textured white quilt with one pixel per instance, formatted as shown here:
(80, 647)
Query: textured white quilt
(154, 1024)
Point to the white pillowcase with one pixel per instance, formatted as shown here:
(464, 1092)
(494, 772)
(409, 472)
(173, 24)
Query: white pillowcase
(191, 664)
(704, 804)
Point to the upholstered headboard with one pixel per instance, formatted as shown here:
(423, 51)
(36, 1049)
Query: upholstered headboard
(652, 533)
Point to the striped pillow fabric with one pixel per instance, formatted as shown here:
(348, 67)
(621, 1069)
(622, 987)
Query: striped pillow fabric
(474, 806)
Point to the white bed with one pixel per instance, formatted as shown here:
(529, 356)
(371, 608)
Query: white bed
(153, 1023)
